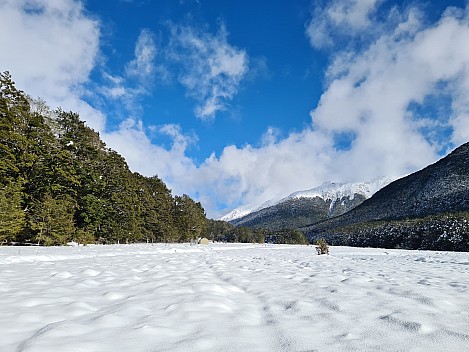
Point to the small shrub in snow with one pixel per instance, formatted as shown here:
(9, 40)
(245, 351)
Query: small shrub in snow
(322, 247)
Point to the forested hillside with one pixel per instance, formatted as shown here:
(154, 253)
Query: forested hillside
(59, 182)
(428, 209)
(298, 212)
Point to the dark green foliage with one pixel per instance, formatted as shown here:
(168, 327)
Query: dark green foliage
(12, 218)
(157, 207)
(59, 182)
(14, 113)
(425, 210)
(120, 223)
(52, 219)
(247, 235)
(216, 230)
(288, 236)
(447, 231)
(225, 232)
(189, 218)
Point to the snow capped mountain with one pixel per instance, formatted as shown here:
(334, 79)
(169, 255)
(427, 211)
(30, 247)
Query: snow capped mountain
(334, 191)
(328, 191)
(427, 209)
(248, 209)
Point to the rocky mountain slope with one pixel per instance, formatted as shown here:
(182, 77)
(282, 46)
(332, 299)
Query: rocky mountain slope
(306, 207)
(438, 192)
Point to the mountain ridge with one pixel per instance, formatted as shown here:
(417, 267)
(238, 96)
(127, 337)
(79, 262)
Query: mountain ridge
(437, 192)
(303, 207)
(325, 191)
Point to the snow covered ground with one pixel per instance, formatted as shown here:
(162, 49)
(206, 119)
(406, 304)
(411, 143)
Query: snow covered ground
(232, 298)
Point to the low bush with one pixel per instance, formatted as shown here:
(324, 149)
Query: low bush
(322, 247)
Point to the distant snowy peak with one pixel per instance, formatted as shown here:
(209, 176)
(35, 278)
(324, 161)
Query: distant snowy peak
(248, 209)
(332, 191)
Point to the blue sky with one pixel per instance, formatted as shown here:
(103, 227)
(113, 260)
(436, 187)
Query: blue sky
(238, 102)
(280, 66)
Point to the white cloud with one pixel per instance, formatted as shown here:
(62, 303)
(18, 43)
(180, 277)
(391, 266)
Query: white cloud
(171, 164)
(139, 73)
(246, 174)
(180, 140)
(368, 97)
(254, 175)
(50, 48)
(368, 94)
(212, 69)
(371, 93)
(125, 91)
(354, 13)
(143, 65)
(340, 17)
(271, 136)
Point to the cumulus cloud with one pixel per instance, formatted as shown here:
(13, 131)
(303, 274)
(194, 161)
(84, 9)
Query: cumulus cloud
(372, 93)
(369, 99)
(212, 69)
(254, 175)
(369, 122)
(50, 48)
(171, 164)
(240, 175)
(339, 17)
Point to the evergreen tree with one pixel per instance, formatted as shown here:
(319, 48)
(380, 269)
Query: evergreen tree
(12, 219)
(13, 108)
(59, 182)
(156, 203)
(216, 230)
(121, 201)
(52, 219)
(82, 150)
(189, 218)
(91, 215)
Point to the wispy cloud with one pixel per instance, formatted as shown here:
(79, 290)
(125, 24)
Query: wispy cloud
(180, 141)
(122, 93)
(376, 96)
(142, 66)
(212, 69)
(369, 96)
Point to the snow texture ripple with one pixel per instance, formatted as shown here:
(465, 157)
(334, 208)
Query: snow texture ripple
(232, 298)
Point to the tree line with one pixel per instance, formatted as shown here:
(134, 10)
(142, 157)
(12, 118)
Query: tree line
(59, 183)
(221, 231)
(444, 231)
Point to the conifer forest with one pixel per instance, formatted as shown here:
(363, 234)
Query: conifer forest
(60, 183)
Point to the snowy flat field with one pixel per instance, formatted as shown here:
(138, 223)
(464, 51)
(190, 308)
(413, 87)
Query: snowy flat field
(223, 297)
